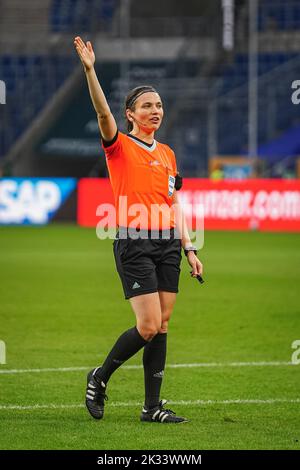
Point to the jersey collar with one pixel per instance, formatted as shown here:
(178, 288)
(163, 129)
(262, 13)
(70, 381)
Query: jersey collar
(141, 144)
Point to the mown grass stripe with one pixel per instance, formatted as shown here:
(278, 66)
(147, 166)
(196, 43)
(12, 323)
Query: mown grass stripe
(251, 401)
(170, 366)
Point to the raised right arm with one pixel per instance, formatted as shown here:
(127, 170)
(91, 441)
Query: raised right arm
(106, 120)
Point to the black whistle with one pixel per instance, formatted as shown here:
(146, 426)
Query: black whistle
(199, 278)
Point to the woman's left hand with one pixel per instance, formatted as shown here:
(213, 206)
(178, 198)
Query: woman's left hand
(195, 264)
(85, 52)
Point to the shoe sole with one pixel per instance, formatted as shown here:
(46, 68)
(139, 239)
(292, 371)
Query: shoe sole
(93, 416)
(164, 422)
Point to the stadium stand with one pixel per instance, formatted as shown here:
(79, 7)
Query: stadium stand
(279, 15)
(211, 89)
(81, 15)
(30, 83)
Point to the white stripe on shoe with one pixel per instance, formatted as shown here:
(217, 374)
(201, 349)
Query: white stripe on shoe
(155, 414)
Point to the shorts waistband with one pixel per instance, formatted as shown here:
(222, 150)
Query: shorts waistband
(165, 234)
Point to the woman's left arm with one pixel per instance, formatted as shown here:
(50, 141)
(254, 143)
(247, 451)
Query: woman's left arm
(194, 262)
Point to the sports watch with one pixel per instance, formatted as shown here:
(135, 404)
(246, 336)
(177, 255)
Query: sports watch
(190, 248)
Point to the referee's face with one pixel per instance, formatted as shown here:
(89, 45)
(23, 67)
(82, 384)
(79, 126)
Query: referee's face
(148, 110)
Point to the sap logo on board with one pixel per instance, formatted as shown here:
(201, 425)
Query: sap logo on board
(32, 201)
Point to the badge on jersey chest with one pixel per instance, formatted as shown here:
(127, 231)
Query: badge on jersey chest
(171, 185)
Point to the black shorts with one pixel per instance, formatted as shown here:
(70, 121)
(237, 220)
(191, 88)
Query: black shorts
(147, 265)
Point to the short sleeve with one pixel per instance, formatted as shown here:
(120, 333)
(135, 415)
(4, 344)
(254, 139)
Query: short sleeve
(113, 148)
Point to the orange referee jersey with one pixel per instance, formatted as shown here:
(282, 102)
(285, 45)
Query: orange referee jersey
(146, 176)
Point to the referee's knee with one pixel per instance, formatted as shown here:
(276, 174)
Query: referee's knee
(148, 332)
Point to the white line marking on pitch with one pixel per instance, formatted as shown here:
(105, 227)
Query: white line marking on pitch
(52, 406)
(170, 366)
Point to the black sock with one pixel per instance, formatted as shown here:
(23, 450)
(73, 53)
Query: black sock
(154, 360)
(125, 347)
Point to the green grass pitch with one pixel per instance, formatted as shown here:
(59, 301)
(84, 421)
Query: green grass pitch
(62, 306)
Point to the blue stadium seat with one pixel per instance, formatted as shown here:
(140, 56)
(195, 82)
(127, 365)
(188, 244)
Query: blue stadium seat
(20, 72)
(80, 15)
(279, 14)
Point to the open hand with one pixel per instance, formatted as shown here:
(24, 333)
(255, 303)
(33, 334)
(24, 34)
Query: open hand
(85, 52)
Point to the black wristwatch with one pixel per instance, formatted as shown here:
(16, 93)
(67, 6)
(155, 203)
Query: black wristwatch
(190, 248)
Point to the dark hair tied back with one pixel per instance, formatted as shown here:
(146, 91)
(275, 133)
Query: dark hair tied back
(131, 98)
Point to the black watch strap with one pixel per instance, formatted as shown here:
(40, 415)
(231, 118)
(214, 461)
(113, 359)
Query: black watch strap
(190, 248)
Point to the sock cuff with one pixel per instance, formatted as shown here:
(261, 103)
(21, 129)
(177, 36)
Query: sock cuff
(139, 336)
(159, 338)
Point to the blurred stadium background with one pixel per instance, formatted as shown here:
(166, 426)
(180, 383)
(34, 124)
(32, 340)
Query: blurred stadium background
(229, 74)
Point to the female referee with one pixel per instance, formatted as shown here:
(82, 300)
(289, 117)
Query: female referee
(144, 171)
